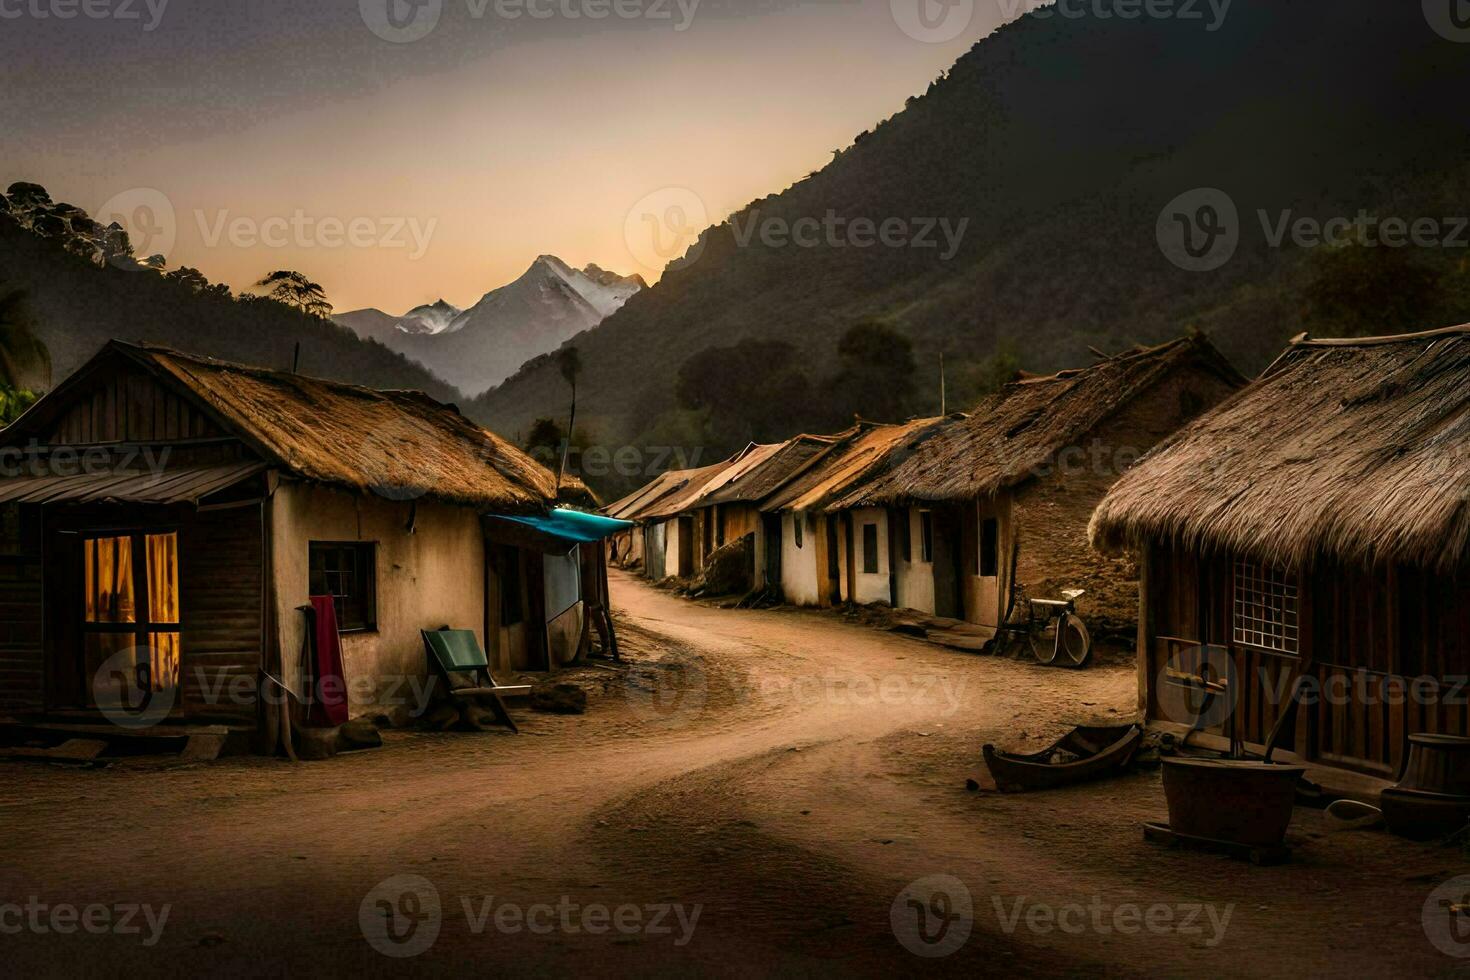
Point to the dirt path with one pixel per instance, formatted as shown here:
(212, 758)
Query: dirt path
(752, 797)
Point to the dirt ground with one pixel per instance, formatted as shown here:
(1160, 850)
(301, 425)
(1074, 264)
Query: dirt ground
(759, 792)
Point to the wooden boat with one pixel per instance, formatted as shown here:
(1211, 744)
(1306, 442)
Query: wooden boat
(1086, 752)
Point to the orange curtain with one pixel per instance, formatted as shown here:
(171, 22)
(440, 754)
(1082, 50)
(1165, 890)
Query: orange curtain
(163, 607)
(110, 580)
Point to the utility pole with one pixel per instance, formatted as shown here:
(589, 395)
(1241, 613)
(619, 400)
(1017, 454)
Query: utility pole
(942, 411)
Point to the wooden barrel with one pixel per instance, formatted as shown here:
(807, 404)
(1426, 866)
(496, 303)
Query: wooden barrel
(1438, 764)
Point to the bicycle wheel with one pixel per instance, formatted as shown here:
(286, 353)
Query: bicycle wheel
(1075, 646)
(1044, 640)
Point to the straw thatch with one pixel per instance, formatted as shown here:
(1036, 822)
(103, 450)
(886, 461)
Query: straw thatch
(861, 454)
(763, 474)
(1354, 450)
(681, 499)
(400, 444)
(628, 508)
(1017, 431)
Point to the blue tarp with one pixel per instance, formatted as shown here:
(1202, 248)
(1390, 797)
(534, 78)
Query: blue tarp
(572, 526)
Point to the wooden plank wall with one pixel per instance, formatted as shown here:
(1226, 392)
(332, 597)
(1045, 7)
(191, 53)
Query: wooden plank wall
(220, 558)
(22, 635)
(130, 406)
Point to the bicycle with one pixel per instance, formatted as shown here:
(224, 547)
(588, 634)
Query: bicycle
(1056, 635)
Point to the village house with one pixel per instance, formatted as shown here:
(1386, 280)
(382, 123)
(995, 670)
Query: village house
(1316, 525)
(734, 499)
(831, 554)
(676, 540)
(181, 511)
(1000, 498)
(627, 548)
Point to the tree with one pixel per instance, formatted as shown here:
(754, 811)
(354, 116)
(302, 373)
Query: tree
(545, 440)
(875, 375)
(569, 361)
(195, 280)
(753, 391)
(296, 291)
(25, 363)
(1358, 290)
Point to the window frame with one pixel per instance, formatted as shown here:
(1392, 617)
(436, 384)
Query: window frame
(906, 538)
(1265, 607)
(365, 580)
(870, 555)
(987, 550)
(142, 626)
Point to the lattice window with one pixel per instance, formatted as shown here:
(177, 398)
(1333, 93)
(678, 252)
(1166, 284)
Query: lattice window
(1266, 608)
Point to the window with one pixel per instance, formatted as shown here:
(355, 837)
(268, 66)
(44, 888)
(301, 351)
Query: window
(870, 549)
(347, 571)
(1265, 614)
(906, 537)
(989, 547)
(796, 528)
(118, 622)
(512, 603)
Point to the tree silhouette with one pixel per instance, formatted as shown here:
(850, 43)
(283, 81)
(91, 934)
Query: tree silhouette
(24, 361)
(295, 290)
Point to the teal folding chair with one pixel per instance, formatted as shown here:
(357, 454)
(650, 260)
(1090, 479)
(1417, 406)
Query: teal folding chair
(456, 657)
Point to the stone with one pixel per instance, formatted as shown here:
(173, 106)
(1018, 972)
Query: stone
(558, 699)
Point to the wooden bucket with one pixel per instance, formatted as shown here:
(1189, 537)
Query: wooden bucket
(1239, 801)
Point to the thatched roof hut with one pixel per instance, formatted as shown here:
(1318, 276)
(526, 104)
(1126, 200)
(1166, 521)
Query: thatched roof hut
(400, 444)
(1018, 430)
(1353, 450)
(860, 455)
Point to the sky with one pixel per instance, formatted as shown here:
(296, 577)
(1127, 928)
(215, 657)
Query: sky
(400, 151)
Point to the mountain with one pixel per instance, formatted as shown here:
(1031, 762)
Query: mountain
(431, 318)
(82, 286)
(1053, 150)
(483, 345)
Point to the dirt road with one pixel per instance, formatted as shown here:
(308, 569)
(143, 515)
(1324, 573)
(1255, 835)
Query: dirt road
(764, 792)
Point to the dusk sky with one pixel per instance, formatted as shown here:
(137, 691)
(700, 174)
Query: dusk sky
(291, 135)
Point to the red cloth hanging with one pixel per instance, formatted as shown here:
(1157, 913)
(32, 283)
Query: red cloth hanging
(329, 682)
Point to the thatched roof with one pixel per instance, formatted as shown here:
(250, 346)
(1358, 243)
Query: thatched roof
(1013, 433)
(762, 474)
(400, 444)
(681, 499)
(627, 508)
(1354, 450)
(863, 453)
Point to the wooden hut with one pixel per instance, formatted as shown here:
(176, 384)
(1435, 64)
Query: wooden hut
(184, 509)
(1315, 525)
(1001, 497)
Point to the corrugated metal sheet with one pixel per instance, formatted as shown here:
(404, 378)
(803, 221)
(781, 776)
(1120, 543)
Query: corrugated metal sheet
(176, 485)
